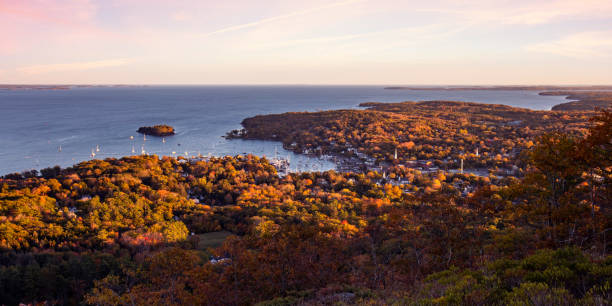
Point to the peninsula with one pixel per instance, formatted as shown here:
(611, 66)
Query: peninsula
(509, 87)
(428, 134)
(584, 100)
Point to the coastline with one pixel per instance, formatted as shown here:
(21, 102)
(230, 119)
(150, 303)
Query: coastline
(201, 124)
(331, 134)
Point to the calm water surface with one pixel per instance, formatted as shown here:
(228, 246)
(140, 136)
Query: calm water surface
(35, 123)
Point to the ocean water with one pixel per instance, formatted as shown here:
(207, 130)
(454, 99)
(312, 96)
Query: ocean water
(35, 123)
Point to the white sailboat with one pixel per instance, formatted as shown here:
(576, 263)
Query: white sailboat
(59, 149)
(97, 148)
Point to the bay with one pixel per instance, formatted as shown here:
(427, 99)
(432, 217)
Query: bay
(35, 123)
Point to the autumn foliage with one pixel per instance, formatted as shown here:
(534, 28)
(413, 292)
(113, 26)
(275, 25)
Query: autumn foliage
(128, 231)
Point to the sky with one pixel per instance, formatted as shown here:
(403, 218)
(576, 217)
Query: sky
(391, 42)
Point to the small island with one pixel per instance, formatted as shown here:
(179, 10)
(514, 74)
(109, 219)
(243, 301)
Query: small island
(157, 130)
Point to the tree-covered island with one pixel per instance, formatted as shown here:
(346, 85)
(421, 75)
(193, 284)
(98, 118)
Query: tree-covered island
(157, 130)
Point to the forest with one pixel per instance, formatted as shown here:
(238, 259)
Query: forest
(139, 230)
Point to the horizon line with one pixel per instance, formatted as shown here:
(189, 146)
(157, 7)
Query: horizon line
(310, 84)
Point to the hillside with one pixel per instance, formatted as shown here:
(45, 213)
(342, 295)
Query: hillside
(118, 231)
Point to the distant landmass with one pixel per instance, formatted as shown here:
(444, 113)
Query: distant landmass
(517, 87)
(587, 98)
(34, 87)
(55, 87)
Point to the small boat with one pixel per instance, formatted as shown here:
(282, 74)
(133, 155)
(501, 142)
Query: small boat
(163, 140)
(97, 148)
(93, 154)
(59, 149)
(132, 137)
(133, 149)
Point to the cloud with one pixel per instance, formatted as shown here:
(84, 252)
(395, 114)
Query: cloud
(546, 12)
(181, 16)
(280, 17)
(364, 42)
(578, 45)
(527, 12)
(42, 69)
(66, 12)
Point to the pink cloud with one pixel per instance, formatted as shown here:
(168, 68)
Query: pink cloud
(285, 16)
(584, 45)
(41, 69)
(521, 12)
(24, 24)
(29, 25)
(69, 12)
(59, 39)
